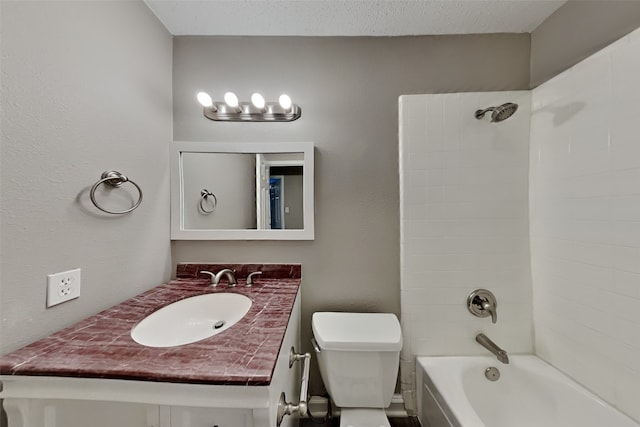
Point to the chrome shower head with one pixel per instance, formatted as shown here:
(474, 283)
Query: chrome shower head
(500, 113)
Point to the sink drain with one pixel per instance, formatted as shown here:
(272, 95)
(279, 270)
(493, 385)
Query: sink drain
(218, 324)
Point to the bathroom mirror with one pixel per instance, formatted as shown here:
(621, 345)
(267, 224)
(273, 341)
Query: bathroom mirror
(242, 191)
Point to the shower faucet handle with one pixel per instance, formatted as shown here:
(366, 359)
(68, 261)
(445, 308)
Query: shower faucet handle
(482, 303)
(486, 305)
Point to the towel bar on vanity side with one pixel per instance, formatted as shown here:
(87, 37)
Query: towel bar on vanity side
(286, 408)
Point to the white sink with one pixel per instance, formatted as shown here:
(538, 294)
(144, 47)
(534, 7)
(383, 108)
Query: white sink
(191, 319)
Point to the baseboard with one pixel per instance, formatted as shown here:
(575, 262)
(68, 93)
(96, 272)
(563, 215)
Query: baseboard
(396, 409)
(318, 406)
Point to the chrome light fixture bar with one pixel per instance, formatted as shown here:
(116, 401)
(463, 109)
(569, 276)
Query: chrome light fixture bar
(258, 110)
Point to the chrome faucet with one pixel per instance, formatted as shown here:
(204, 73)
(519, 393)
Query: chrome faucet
(484, 341)
(250, 278)
(228, 273)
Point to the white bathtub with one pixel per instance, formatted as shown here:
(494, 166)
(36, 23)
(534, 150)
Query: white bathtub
(454, 392)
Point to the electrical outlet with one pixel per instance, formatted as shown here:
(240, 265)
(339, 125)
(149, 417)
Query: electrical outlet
(63, 287)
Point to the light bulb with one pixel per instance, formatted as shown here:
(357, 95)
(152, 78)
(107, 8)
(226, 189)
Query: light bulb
(205, 99)
(285, 101)
(231, 99)
(258, 101)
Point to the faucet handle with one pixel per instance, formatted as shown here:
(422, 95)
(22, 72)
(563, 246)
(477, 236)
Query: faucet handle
(250, 278)
(212, 277)
(483, 303)
(486, 305)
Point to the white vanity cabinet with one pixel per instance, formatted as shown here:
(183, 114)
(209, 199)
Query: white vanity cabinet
(34, 412)
(85, 413)
(49, 401)
(64, 412)
(204, 417)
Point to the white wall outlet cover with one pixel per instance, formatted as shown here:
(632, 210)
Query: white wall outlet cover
(63, 287)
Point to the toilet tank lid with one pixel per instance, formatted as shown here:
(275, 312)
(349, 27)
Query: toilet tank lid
(357, 331)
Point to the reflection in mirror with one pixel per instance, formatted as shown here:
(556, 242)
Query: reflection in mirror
(226, 207)
(285, 191)
(280, 195)
(225, 191)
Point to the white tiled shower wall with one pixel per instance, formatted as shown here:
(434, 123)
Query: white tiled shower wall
(464, 225)
(585, 222)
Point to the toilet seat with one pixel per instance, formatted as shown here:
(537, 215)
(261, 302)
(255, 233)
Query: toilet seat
(363, 417)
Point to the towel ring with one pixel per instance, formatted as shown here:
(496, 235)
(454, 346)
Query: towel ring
(204, 194)
(114, 179)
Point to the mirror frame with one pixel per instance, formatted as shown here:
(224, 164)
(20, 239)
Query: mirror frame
(178, 232)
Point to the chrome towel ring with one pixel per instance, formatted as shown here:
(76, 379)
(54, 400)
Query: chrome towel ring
(204, 196)
(114, 179)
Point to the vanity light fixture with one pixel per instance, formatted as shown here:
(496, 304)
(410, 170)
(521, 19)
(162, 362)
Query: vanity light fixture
(205, 99)
(258, 101)
(231, 100)
(285, 102)
(258, 110)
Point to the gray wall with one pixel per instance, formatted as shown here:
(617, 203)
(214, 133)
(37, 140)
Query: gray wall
(348, 89)
(86, 87)
(577, 30)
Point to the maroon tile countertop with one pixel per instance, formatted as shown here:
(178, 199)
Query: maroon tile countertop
(101, 346)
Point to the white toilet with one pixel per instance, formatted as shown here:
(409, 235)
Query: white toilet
(358, 355)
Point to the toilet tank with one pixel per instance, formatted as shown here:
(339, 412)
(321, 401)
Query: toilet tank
(358, 356)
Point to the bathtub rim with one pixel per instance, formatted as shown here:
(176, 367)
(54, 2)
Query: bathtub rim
(464, 415)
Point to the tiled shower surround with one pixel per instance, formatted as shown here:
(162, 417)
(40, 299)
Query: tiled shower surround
(464, 225)
(585, 222)
(549, 220)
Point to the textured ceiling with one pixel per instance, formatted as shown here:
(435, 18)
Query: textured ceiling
(350, 17)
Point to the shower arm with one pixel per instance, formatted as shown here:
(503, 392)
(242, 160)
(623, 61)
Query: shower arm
(480, 113)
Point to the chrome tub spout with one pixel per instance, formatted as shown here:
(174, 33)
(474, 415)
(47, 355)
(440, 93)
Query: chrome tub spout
(484, 341)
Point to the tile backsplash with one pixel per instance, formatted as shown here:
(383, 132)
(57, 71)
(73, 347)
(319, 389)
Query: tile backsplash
(186, 270)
